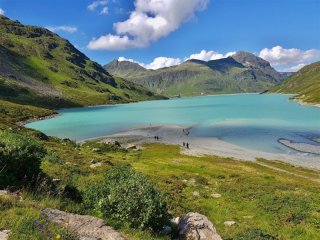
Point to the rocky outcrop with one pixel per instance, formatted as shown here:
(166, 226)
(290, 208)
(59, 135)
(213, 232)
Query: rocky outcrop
(195, 226)
(83, 226)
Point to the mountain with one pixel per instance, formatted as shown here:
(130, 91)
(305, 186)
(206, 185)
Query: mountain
(124, 68)
(305, 83)
(242, 72)
(40, 68)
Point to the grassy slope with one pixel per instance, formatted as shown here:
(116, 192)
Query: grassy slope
(305, 83)
(282, 204)
(40, 68)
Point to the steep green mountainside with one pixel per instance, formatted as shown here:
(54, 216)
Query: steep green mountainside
(125, 68)
(305, 83)
(243, 72)
(38, 67)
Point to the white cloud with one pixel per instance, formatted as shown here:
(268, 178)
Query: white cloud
(159, 62)
(104, 11)
(279, 56)
(148, 22)
(294, 68)
(96, 4)
(67, 29)
(209, 55)
(1, 11)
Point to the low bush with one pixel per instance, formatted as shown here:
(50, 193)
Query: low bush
(20, 158)
(128, 196)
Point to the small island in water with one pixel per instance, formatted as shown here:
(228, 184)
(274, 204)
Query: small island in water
(198, 143)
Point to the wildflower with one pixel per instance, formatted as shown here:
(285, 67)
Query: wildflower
(58, 237)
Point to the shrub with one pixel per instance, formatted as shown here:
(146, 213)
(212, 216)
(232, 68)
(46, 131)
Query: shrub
(127, 196)
(20, 158)
(254, 234)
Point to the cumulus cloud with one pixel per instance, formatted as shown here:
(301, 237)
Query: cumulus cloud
(157, 63)
(209, 55)
(161, 62)
(148, 22)
(279, 56)
(94, 5)
(67, 29)
(1, 11)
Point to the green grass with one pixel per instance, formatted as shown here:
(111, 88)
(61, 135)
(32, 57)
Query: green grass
(281, 204)
(305, 83)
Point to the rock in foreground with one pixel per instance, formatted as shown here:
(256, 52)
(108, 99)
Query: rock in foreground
(85, 227)
(195, 226)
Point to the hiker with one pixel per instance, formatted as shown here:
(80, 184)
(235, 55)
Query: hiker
(188, 145)
(184, 144)
(155, 137)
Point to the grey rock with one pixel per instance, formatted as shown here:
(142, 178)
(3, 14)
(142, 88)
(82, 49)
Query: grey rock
(195, 226)
(83, 226)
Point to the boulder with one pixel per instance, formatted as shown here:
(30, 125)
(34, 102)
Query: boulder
(195, 226)
(83, 226)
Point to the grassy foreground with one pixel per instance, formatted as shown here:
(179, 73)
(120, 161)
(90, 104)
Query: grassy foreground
(264, 196)
(254, 196)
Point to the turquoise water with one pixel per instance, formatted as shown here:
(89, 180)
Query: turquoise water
(249, 120)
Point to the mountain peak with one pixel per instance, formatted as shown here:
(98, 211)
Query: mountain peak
(124, 65)
(250, 60)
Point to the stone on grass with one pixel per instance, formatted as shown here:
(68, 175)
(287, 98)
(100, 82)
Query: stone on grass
(131, 147)
(83, 226)
(95, 165)
(195, 226)
(216, 195)
(4, 234)
(196, 194)
(230, 223)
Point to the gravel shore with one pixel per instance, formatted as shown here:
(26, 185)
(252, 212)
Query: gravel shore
(198, 146)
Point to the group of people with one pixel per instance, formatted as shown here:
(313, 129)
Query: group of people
(185, 144)
(156, 138)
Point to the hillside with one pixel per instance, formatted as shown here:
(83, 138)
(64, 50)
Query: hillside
(243, 72)
(305, 83)
(38, 67)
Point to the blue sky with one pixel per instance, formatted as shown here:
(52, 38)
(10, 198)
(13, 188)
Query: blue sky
(287, 30)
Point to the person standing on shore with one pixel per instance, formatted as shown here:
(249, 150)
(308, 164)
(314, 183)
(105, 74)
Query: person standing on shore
(188, 145)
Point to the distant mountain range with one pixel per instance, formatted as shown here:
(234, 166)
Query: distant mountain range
(37, 67)
(305, 83)
(241, 73)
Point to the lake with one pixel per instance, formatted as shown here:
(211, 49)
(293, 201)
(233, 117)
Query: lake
(249, 120)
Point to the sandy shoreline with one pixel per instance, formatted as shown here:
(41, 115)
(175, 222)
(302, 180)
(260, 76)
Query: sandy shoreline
(174, 135)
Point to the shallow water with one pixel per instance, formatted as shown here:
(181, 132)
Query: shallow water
(249, 120)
